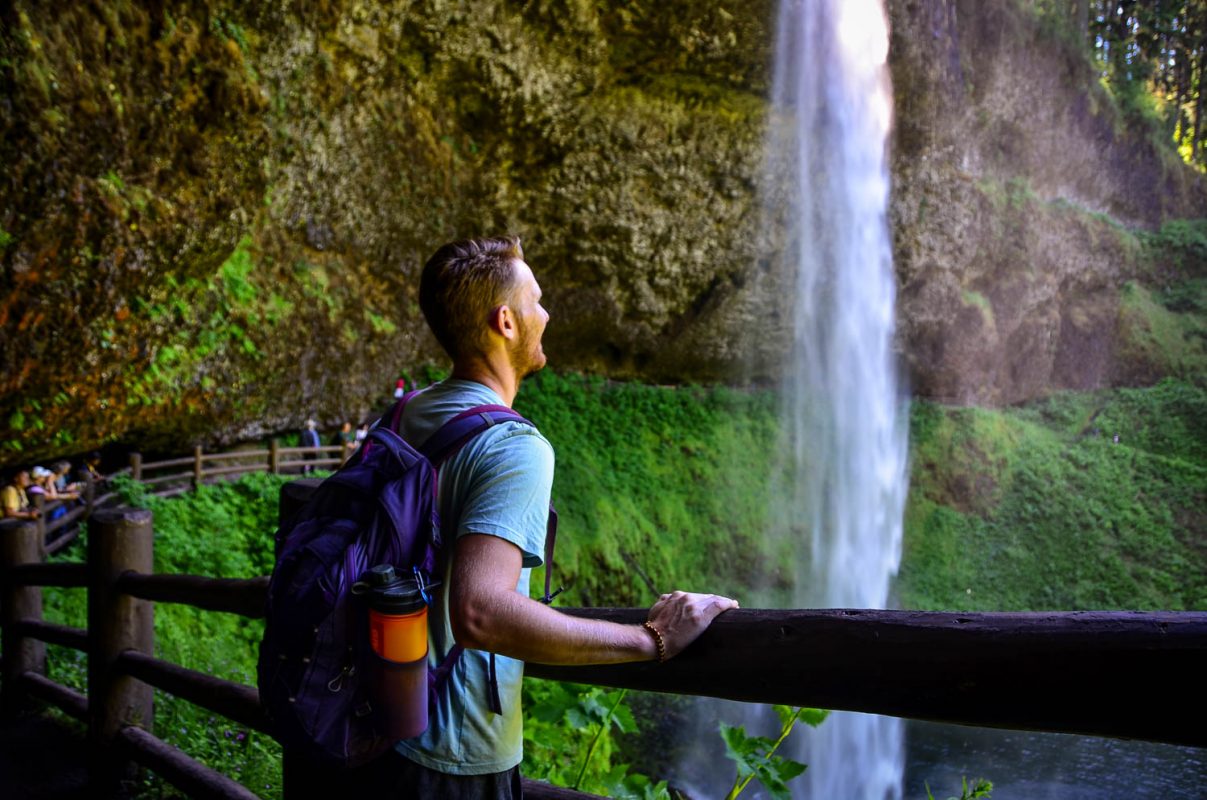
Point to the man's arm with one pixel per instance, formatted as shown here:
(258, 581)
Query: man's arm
(487, 613)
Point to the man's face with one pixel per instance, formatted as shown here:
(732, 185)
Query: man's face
(22, 480)
(531, 318)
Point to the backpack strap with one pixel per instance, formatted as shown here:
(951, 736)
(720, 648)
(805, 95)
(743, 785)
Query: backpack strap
(439, 448)
(461, 429)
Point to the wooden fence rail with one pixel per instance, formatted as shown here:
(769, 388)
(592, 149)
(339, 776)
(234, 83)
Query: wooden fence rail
(1124, 674)
(1093, 673)
(207, 466)
(274, 460)
(122, 672)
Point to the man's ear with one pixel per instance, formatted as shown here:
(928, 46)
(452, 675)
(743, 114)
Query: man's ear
(503, 322)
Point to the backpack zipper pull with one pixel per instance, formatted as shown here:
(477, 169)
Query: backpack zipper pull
(337, 683)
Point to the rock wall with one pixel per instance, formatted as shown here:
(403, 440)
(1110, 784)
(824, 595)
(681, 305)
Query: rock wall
(1018, 191)
(213, 213)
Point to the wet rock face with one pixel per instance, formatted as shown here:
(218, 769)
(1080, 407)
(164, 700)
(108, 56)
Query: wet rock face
(1014, 182)
(213, 217)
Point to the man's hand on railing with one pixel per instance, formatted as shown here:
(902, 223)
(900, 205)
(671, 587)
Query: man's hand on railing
(680, 617)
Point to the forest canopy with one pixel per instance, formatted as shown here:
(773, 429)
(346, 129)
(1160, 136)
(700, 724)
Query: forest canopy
(1151, 55)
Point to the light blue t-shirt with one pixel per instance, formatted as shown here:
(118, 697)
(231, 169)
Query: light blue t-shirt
(498, 484)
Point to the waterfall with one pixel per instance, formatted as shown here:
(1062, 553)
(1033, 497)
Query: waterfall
(844, 424)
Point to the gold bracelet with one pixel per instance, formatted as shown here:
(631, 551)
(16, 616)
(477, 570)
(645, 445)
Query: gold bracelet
(658, 643)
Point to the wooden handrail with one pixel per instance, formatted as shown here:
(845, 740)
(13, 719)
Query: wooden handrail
(68, 518)
(62, 697)
(62, 541)
(322, 448)
(158, 479)
(1069, 672)
(231, 595)
(186, 461)
(53, 633)
(1066, 672)
(232, 700)
(183, 772)
(233, 455)
(105, 498)
(236, 469)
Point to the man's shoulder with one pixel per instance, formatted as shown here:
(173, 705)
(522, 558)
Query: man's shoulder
(511, 448)
(520, 437)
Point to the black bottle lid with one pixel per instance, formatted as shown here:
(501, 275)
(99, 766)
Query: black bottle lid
(391, 594)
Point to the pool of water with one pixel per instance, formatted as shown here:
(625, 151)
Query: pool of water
(1048, 766)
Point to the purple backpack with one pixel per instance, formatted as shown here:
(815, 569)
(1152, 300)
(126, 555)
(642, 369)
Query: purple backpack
(379, 508)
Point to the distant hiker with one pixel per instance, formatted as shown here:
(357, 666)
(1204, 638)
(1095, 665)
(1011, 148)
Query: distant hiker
(400, 388)
(61, 470)
(310, 438)
(346, 439)
(38, 484)
(15, 499)
(483, 304)
(91, 471)
(362, 433)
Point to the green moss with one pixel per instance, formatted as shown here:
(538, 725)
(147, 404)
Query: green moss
(672, 483)
(1040, 508)
(380, 324)
(1157, 339)
(980, 302)
(1179, 247)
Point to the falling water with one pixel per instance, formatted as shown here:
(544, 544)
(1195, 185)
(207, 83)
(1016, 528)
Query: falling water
(843, 410)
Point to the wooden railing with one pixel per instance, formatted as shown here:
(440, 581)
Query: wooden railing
(168, 478)
(119, 643)
(1123, 674)
(176, 475)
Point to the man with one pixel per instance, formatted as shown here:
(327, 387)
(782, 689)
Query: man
(484, 306)
(15, 500)
(310, 438)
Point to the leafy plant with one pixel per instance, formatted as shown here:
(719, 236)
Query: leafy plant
(564, 720)
(755, 755)
(980, 788)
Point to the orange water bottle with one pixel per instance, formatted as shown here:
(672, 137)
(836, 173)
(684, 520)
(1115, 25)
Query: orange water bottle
(398, 637)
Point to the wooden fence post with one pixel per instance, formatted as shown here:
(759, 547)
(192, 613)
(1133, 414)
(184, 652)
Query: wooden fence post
(274, 457)
(39, 504)
(119, 541)
(21, 542)
(196, 467)
(136, 466)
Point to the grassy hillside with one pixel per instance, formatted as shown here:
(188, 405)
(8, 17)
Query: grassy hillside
(656, 487)
(1042, 508)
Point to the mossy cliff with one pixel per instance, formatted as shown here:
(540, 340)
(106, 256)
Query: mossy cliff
(213, 213)
(1031, 216)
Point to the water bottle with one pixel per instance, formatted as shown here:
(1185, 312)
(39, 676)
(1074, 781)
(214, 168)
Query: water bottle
(398, 637)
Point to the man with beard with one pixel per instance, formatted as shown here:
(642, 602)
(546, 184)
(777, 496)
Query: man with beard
(483, 303)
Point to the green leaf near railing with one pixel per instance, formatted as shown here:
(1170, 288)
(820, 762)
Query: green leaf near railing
(755, 755)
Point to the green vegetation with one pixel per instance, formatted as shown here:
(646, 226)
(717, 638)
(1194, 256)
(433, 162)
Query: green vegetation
(655, 486)
(225, 531)
(1158, 339)
(755, 755)
(980, 788)
(1151, 57)
(1039, 508)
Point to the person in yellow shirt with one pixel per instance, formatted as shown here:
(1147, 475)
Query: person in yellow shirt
(15, 501)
